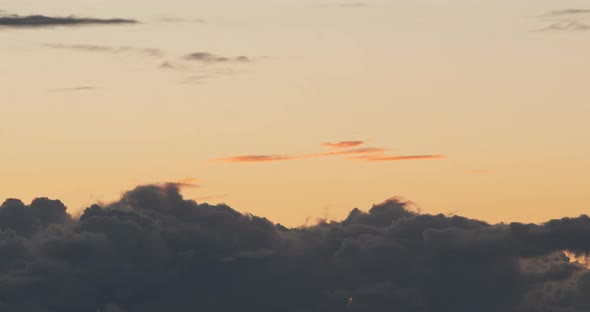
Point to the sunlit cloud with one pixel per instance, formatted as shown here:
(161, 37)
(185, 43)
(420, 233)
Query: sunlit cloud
(342, 144)
(398, 158)
(363, 153)
(187, 182)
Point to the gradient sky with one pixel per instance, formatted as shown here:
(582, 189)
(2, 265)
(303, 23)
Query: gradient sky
(491, 96)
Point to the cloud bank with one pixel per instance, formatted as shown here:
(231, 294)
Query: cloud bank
(153, 250)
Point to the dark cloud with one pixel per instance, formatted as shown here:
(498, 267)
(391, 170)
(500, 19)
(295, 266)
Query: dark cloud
(153, 251)
(208, 58)
(105, 49)
(24, 21)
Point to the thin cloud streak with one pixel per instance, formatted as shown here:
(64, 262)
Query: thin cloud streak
(74, 89)
(399, 158)
(105, 49)
(342, 144)
(37, 21)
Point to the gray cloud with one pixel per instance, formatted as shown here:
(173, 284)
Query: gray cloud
(105, 49)
(153, 250)
(566, 12)
(566, 20)
(209, 58)
(181, 20)
(19, 21)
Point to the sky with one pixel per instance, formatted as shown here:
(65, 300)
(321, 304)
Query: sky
(295, 155)
(491, 97)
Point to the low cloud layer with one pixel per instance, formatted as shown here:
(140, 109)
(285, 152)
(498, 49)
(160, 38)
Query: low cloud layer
(27, 21)
(154, 251)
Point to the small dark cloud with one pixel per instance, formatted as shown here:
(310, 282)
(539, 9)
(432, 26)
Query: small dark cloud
(105, 49)
(27, 21)
(209, 58)
(74, 89)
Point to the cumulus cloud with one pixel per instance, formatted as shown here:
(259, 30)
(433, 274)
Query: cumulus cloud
(153, 250)
(27, 21)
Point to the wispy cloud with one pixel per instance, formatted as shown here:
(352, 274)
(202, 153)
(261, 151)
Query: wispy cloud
(346, 5)
(565, 20)
(566, 12)
(28, 21)
(399, 158)
(212, 197)
(259, 158)
(187, 182)
(342, 144)
(209, 58)
(168, 19)
(364, 153)
(105, 49)
(74, 89)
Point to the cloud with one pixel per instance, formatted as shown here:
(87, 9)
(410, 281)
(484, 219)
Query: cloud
(567, 26)
(260, 158)
(105, 49)
(566, 20)
(364, 153)
(74, 89)
(398, 158)
(566, 12)
(275, 158)
(152, 250)
(181, 20)
(209, 197)
(187, 182)
(208, 58)
(28, 21)
(343, 144)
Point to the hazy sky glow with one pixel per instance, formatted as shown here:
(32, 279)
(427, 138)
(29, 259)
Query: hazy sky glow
(478, 108)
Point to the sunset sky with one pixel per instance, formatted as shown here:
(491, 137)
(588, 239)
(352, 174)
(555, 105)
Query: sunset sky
(300, 109)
